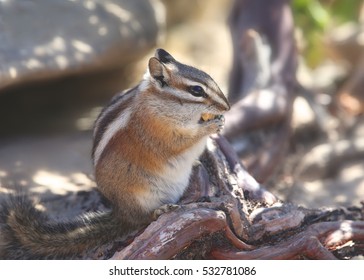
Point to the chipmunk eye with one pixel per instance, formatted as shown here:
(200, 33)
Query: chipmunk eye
(197, 91)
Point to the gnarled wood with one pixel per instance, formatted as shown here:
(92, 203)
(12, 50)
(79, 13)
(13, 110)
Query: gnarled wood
(244, 220)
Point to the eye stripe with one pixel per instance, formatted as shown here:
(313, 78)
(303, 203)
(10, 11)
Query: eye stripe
(179, 87)
(175, 95)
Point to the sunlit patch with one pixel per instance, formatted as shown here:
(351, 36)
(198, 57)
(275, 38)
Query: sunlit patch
(345, 233)
(40, 207)
(51, 180)
(340, 198)
(59, 184)
(81, 46)
(81, 179)
(122, 14)
(94, 19)
(3, 173)
(59, 44)
(23, 183)
(33, 63)
(346, 227)
(61, 61)
(56, 45)
(13, 72)
(6, 190)
(90, 5)
(102, 31)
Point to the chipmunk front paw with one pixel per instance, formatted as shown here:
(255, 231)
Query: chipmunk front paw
(164, 209)
(213, 125)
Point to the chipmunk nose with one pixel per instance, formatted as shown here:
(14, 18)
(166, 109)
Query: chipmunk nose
(226, 105)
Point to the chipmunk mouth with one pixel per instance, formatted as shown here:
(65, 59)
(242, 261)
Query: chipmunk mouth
(205, 117)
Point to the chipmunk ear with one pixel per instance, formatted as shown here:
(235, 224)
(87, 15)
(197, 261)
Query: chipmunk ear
(163, 56)
(158, 71)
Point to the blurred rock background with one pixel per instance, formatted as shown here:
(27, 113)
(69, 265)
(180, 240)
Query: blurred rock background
(62, 60)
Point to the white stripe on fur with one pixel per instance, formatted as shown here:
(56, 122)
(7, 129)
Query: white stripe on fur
(120, 122)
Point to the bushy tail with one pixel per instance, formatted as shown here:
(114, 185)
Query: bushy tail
(26, 233)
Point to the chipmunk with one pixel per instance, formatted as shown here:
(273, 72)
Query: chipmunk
(146, 141)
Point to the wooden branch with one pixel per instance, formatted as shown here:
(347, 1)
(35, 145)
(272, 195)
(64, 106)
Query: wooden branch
(252, 189)
(313, 243)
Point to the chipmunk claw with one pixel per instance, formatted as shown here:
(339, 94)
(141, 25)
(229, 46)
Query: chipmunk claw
(164, 209)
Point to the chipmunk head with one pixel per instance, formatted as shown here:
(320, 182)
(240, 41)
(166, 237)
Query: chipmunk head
(185, 86)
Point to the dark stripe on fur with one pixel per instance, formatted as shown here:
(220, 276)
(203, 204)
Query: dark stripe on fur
(105, 120)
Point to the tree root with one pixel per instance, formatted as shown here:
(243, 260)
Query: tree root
(242, 220)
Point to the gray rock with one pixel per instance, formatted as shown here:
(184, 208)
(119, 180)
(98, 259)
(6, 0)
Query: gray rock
(50, 38)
